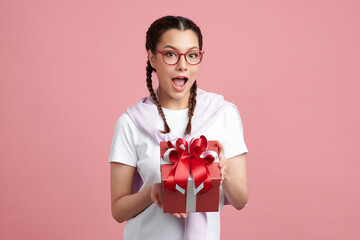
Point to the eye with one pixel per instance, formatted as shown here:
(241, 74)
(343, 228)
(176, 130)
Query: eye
(194, 54)
(170, 54)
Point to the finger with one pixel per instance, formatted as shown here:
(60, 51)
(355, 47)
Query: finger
(159, 203)
(176, 215)
(153, 194)
(220, 146)
(153, 199)
(183, 215)
(222, 179)
(161, 198)
(223, 170)
(222, 157)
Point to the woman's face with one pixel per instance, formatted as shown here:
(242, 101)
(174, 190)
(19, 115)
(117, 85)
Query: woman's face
(171, 94)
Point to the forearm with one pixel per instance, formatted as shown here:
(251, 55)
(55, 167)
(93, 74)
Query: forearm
(129, 206)
(235, 191)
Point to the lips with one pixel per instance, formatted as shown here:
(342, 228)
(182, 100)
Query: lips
(179, 82)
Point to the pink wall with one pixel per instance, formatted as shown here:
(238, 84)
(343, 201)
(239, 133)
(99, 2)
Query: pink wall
(68, 69)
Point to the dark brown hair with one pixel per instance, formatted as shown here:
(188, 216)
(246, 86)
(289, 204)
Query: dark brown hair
(153, 37)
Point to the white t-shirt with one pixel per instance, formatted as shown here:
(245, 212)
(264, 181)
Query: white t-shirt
(133, 147)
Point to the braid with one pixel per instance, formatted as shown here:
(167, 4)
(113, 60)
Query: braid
(192, 104)
(149, 70)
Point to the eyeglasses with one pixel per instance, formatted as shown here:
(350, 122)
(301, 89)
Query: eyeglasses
(172, 57)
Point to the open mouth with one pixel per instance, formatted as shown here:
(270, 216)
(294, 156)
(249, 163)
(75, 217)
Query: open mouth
(179, 82)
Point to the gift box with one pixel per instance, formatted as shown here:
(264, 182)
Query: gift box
(190, 175)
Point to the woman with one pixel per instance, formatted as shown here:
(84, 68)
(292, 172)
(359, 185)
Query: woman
(177, 108)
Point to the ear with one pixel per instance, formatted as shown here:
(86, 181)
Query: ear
(151, 57)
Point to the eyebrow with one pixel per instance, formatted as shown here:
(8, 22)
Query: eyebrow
(176, 48)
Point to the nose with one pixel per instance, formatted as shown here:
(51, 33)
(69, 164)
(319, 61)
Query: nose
(182, 64)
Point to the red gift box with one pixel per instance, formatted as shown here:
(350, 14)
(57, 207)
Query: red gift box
(193, 162)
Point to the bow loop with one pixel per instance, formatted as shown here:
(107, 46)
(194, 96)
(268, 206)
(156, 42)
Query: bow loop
(181, 145)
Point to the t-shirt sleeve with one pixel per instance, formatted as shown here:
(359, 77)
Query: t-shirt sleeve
(122, 146)
(234, 143)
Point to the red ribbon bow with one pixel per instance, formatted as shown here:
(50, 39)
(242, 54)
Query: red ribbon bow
(195, 160)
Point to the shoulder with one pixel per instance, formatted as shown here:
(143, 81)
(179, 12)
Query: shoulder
(230, 115)
(123, 119)
(231, 109)
(124, 122)
(203, 95)
(215, 98)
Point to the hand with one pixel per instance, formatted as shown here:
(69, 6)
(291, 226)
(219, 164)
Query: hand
(223, 164)
(156, 197)
(178, 215)
(156, 194)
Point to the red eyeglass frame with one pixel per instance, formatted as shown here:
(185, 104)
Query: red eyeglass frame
(179, 53)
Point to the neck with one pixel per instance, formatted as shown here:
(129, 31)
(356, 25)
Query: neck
(173, 104)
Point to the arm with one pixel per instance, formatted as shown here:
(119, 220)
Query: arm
(234, 178)
(125, 205)
(235, 184)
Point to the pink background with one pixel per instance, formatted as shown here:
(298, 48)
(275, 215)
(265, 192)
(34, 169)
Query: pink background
(68, 70)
